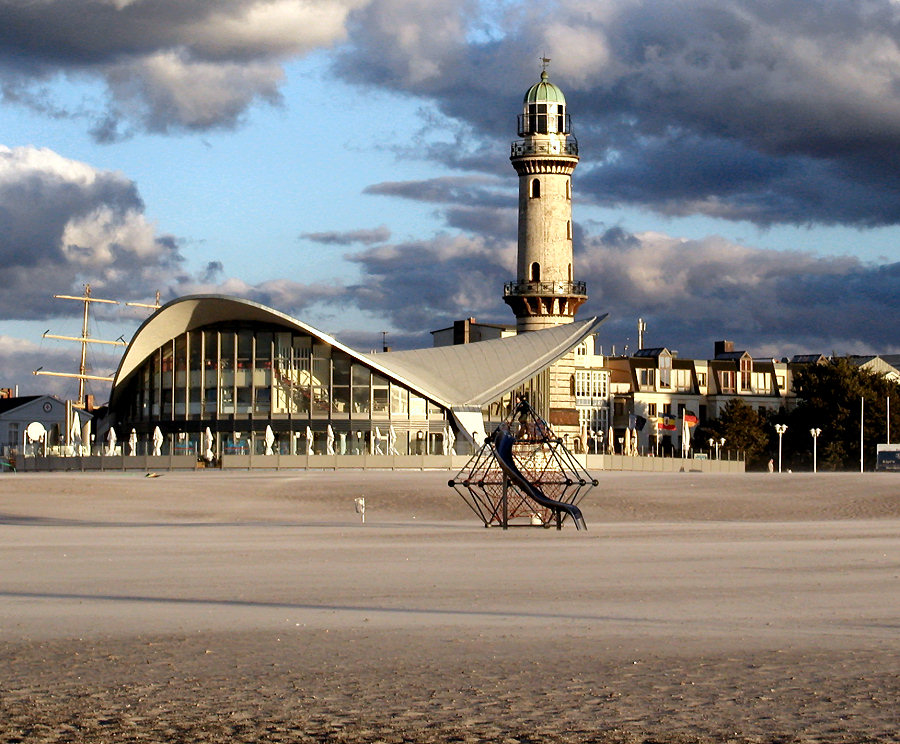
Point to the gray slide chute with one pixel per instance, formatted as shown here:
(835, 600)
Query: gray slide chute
(503, 444)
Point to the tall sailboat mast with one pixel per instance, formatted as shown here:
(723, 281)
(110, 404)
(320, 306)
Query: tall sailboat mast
(84, 340)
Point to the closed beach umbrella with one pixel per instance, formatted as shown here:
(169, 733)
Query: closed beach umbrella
(634, 442)
(132, 442)
(111, 441)
(329, 440)
(309, 441)
(157, 442)
(270, 439)
(376, 442)
(75, 434)
(610, 443)
(449, 439)
(208, 444)
(392, 441)
(86, 437)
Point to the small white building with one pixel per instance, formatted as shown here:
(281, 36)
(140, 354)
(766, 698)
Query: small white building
(17, 413)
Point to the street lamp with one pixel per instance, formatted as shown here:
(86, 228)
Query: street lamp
(722, 442)
(781, 429)
(711, 443)
(815, 436)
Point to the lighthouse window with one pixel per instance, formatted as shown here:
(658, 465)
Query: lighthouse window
(568, 190)
(535, 272)
(569, 229)
(535, 188)
(537, 112)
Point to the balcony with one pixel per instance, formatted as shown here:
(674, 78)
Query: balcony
(541, 289)
(524, 148)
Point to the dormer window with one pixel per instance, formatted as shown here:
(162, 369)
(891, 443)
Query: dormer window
(665, 370)
(746, 372)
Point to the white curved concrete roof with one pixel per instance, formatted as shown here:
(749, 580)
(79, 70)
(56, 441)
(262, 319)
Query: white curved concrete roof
(456, 377)
(475, 374)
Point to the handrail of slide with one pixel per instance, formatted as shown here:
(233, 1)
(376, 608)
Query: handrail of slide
(503, 442)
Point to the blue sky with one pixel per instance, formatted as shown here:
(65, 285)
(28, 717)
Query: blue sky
(347, 162)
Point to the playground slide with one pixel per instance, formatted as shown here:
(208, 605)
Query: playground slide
(503, 442)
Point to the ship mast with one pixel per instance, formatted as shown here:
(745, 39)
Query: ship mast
(84, 340)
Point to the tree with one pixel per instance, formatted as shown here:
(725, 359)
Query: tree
(830, 397)
(744, 429)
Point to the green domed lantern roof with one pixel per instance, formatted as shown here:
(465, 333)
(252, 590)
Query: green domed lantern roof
(544, 92)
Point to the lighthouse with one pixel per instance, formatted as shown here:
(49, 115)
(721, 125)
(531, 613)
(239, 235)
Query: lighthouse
(545, 292)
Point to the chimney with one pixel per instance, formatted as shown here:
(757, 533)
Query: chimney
(723, 347)
(462, 331)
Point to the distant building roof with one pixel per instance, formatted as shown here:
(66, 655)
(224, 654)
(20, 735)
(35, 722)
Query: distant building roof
(651, 353)
(9, 404)
(732, 356)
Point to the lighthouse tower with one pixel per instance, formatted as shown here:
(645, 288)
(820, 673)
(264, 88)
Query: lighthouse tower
(545, 292)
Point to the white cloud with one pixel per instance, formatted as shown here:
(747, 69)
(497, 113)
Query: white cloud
(170, 64)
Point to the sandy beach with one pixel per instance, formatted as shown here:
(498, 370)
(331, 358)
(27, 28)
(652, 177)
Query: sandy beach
(255, 607)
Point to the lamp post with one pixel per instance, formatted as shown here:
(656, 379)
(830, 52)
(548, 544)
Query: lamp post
(814, 433)
(722, 442)
(781, 429)
(711, 443)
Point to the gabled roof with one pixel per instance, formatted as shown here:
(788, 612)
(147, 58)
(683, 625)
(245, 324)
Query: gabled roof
(9, 404)
(458, 376)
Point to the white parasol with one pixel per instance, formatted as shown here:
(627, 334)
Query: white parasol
(111, 442)
(75, 434)
(376, 442)
(309, 441)
(208, 443)
(329, 440)
(610, 443)
(634, 442)
(392, 441)
(449, 440)
(157, 442)
(132, 442)
(270, 439)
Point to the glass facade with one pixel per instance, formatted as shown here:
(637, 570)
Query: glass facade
(237, 379)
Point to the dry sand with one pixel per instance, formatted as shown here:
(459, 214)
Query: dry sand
(254, 607)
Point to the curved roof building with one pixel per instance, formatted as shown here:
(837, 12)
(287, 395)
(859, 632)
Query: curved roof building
(249, 373)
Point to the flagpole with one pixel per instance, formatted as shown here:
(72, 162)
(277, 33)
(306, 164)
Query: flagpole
(862, 410)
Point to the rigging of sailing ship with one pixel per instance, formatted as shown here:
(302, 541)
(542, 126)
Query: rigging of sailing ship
(82, 375)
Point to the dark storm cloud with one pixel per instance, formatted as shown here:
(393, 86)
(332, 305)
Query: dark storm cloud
(693, 292)
(462, 190)
(378, 234)
(167, 64)
(773, 112)
(427, 284)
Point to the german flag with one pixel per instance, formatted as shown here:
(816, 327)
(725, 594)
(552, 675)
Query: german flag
(690, 418)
